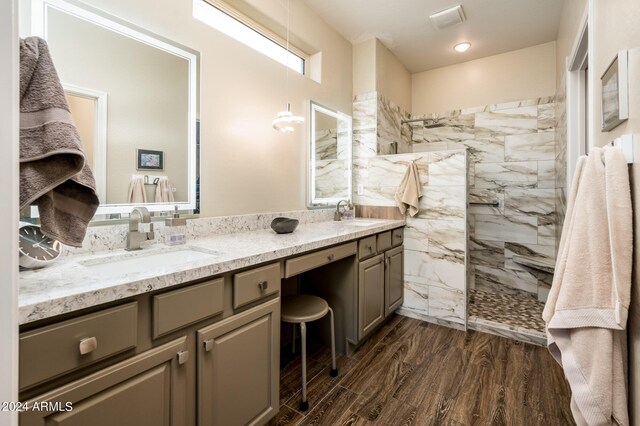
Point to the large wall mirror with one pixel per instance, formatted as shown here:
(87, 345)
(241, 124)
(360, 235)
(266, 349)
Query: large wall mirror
(329, 156)
(133, 97)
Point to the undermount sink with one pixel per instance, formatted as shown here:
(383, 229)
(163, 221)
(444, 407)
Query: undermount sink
(137, 262)
(358, 222)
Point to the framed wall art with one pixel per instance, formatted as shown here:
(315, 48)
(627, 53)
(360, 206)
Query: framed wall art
(615, 92)
(150, 160)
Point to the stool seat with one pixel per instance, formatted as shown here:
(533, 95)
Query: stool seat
(303, 308)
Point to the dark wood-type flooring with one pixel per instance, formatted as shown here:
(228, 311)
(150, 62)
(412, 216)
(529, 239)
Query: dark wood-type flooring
(414, 373)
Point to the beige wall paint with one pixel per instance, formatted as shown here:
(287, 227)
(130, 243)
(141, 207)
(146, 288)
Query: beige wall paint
(616, 26)
(573, 12)
(364, 67)
(393, 81)
(246, 166)
(521, 74)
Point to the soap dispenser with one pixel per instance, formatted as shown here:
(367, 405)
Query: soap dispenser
(175, 229)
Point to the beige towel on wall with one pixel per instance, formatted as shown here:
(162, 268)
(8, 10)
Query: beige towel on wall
(409, 192)
(164, 191)
(53, 171)
(586, 311)
(137, 192)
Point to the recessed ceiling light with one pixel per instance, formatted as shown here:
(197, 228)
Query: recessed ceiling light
(462, 47)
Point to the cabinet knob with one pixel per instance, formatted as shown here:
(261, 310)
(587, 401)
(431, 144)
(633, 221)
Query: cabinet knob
(397, 236)
(183, 356)
(370, 248)
(88, 345)
(208, 345)
(262, 285)
(331, 257)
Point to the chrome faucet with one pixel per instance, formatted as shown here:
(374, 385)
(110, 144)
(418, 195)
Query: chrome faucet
(338, 215)
(134, 236)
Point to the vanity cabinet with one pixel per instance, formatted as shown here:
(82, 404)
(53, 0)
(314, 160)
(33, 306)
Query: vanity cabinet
(147, 389)
(393, 279)
(238, 368)
(371, 277)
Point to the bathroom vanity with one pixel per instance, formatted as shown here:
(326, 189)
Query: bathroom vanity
(193, 335)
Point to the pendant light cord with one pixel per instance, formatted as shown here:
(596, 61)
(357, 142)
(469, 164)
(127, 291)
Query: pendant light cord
(286, 90)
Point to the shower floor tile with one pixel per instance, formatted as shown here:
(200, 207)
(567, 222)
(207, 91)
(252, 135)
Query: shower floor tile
(507, 316)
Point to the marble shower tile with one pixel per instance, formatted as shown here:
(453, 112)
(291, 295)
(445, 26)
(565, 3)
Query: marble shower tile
(416, 297)
(364, 115)
(417, 133)
(483, 195)
(443, 202)
(547, 174)
(364, 144)
(530, 146)
(509, 121)
(366, 96)
(546, 116)
(447, 305)
(530, 251)
(508, 281)
(529, 201)
(447, 168)
(443, 270)
(485, 148)
(447, 237)
(415, 266)
(416, 234)
(447, 134)
(547, 230)
(486, 253)
(517, 229)
(429, 146)
(522, 174)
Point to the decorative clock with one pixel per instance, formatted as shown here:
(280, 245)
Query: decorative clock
(36, 249)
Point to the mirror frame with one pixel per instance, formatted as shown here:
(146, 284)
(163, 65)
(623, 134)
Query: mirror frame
(39, 26)
(312, 200)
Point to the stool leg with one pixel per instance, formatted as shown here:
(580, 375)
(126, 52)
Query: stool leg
(293, 340)
(334, 368)
(304, 405)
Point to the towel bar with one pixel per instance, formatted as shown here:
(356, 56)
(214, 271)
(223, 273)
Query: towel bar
(491, 204)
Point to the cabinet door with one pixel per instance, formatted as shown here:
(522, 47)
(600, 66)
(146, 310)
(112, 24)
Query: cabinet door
(370, 294)
(394, 279)
(239, 368)
(148, 389)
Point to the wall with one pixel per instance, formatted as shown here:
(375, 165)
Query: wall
(435, 241)
(617, 27)
(244, 161)
(84, 117)
(393, 81)
(9, 116)
(364, 67)
(511, 76)
(512, 159)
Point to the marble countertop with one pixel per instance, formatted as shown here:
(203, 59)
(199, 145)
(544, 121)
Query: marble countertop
(73, 283)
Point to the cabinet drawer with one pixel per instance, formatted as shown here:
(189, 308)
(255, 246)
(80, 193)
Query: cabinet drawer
(60, 348)
(307, 262)
(367, 247)
(254, 284)
(384, 241)
(397, 237)
(179, 308)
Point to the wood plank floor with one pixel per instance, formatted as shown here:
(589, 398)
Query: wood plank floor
(414, 373)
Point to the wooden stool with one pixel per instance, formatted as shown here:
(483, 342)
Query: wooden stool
(301, 309)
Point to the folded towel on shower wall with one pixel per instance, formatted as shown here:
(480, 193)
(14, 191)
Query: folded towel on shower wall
(53, 171)
(586, 311)
(137, 192)
(409, 191)
(164, 191)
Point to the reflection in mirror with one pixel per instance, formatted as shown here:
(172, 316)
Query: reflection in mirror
(330, 156)
(151, 88)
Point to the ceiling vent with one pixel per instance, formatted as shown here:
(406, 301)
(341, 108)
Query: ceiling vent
(448, 17)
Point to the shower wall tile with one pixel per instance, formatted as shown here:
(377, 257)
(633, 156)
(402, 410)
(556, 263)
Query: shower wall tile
(446, 305)
(523, 174)
(534, 252)
(529, 201)
(443, 202)
(507, 280)
(447, 237)
(509, 121)
(530, 146)
(519, 229)
(486, 196)
(547, 116)
(547, 174)
(486, 253)
(447, 168)
(486, 148)
(416, 234)
(416, 297)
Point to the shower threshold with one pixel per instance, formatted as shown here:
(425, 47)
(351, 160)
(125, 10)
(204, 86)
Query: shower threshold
(508, 316)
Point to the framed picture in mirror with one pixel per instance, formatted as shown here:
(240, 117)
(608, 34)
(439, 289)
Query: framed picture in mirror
(150, 160)
(615, 96)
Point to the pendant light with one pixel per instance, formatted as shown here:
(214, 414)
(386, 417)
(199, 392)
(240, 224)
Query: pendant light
(285, 120)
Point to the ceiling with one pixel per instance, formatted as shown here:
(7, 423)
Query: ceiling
(403, 26)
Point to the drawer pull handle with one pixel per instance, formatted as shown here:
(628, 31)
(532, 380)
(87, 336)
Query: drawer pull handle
(331, 257)
(208, 345)
(88, 345)
(370, 248)
(183, 357)
(397, 236)
(262, 285)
